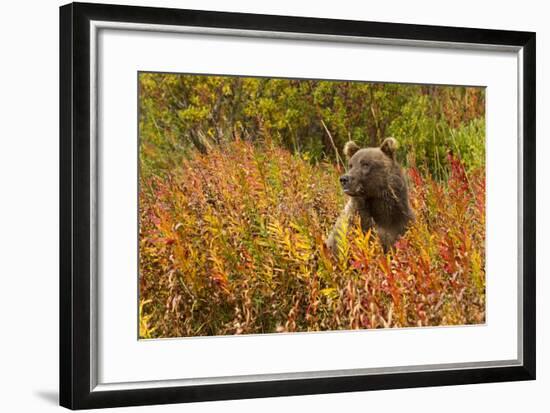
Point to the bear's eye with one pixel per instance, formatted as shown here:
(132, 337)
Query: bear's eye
(365, 164)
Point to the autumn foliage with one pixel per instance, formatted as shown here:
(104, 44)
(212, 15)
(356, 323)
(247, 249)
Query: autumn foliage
(232, 242)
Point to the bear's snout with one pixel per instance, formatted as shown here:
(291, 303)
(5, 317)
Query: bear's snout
(350, 185)
(344, 180)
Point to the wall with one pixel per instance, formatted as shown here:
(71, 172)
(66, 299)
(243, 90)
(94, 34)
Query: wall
(29, 207)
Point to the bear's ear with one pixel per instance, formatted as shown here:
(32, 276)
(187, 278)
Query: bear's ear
(350, 148)
(389, 146)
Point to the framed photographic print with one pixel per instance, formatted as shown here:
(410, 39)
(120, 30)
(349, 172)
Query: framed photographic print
(257, 206)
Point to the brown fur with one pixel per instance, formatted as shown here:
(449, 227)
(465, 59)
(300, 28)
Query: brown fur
(378, 192)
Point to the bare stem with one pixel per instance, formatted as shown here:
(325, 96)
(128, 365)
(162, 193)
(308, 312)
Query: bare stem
(338, 157)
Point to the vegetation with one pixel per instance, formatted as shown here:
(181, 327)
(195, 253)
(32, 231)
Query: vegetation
(239, 188)
(181, 113)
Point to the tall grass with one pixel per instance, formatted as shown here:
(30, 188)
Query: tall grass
(232, 242)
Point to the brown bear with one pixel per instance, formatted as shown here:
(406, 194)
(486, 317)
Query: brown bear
(378, 192)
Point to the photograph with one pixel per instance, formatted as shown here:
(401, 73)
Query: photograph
(291, 202)
(283, 205)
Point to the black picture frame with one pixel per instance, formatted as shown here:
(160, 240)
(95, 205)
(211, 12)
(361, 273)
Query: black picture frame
(75, 219)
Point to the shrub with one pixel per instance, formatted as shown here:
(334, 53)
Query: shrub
(182, 113)
(232, 242)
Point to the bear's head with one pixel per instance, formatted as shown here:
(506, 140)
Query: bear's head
(369, 168)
